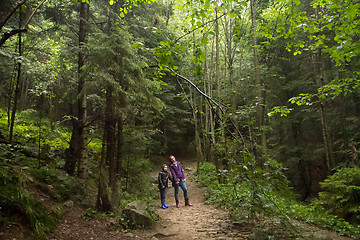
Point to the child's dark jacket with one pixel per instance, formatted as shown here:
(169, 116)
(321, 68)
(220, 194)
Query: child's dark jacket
(163, 178)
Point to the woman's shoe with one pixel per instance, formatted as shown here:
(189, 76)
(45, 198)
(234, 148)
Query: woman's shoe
(187, 203)
(177, 203)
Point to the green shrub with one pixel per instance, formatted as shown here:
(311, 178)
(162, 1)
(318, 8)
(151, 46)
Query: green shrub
(248, 190)
(341, 195)
(63, 185)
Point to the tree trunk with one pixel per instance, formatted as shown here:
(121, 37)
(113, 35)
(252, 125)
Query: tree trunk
(194, 108)
(77, 153)
(110, 128)
(120, 143)
(321, 79)
(260, 92)
(103, 201)
(17, 86)
(168, 12)
(199, 155)
(211, 122)
(355, 156)
(207, 108)
(218, 90)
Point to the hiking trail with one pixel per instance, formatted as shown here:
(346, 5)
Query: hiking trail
(200, 221)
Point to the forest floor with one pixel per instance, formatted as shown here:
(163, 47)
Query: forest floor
(201, 221)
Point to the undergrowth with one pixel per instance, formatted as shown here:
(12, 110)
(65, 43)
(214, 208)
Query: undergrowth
(34, 163)
(250, 192)
(17, 201)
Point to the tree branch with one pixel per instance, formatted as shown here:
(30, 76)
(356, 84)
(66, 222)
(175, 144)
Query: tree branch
(6, 16)
(213, 20)
(8, 34)
(197, 89)
(216, 104)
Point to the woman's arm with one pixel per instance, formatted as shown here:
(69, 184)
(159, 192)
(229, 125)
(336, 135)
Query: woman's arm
(182, 172)
(173, 173)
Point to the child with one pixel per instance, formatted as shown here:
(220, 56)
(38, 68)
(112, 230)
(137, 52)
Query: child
(163, 178)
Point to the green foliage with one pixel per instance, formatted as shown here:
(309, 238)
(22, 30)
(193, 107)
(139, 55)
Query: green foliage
(138, 181)
(30, 126)
(282, 110)
(245, 186)
(317, 215)
(58, 183)
(341, 194)
(247, 195)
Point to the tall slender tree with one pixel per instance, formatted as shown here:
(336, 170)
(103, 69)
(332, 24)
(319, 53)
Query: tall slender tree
(77, 154)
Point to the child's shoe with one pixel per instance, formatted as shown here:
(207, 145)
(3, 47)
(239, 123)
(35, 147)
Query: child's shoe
(166, 206)
(163, 206)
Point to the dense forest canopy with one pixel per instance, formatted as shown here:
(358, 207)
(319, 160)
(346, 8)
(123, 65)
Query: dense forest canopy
(265, 91)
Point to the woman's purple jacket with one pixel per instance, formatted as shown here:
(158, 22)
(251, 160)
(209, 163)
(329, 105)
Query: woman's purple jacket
(177, 171)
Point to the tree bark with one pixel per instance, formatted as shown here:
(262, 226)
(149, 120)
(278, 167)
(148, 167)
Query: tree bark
(77, 152)
(82, 104)
(103, 200)
(17, 86)
(260, 92)
(355, 156)
(110, 128)
(321, 79)
(199, 156)
(207, 110)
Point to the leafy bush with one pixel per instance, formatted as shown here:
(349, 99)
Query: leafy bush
(249, 191)
(341, 195)
(30, 126)
(319, 216)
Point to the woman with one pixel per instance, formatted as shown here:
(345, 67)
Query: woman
(178, 180)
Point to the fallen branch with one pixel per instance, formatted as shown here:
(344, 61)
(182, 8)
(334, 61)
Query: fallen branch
(215, 103)
(197, 89)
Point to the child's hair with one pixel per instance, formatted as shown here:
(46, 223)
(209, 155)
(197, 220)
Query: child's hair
(163, 166)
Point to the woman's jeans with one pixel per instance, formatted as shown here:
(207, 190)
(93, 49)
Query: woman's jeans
(183, 187)
(162, 195)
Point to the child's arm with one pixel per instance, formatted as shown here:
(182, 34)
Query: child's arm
(160, 180)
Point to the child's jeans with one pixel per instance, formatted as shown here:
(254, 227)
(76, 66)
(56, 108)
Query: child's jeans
(162, 195)
(183, 187)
